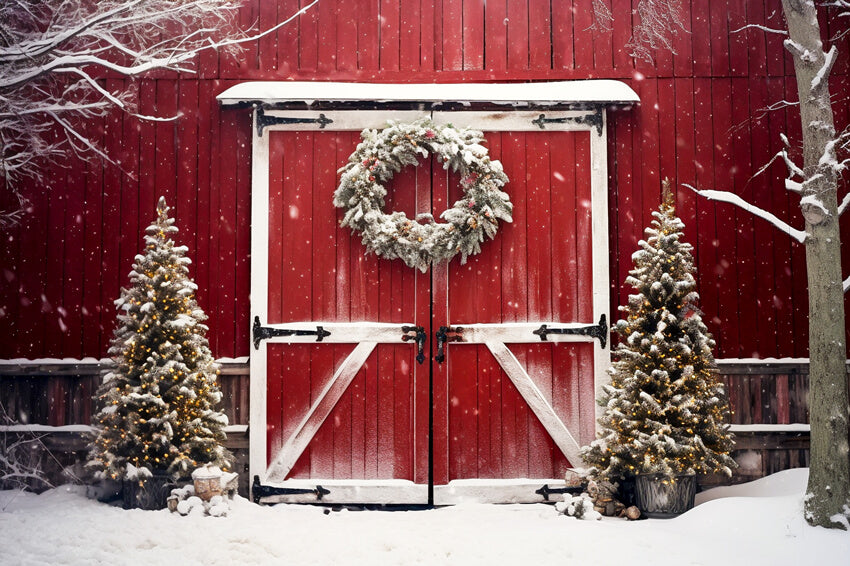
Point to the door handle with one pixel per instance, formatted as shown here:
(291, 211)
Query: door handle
(419, 337)
(446, 334)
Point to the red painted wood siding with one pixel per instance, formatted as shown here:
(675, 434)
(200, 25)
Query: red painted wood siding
(701, 121)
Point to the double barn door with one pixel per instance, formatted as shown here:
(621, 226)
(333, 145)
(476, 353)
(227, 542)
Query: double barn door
(381, 384)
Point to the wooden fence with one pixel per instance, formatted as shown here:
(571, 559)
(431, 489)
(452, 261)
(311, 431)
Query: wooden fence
(768, 400)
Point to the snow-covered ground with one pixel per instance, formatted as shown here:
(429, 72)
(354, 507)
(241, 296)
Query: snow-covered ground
(754, 524)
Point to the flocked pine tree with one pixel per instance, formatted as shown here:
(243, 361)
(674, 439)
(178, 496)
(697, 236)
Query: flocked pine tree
(664, 408)
(158, 404)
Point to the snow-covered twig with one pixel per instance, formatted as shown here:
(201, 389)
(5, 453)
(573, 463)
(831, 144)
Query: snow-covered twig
(762, 28)
(732, 198)
(659, 22)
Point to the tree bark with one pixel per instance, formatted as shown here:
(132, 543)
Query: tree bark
(828, 492)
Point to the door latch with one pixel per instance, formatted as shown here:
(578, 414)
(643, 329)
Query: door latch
(446, 334)
(419, 336)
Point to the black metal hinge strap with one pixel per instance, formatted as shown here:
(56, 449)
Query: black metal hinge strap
(545, 491)
(446, 334)
(264, 121)
(599, 331)
(420, 337)
(265, 332)
(594, 119)
(258, 491)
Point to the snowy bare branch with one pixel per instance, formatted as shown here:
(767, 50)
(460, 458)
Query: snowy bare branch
(660, 21)
(603, 19)
(732, 198)
(762, 28)
(54, 53)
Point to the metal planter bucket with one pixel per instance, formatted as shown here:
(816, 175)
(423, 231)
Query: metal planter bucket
(661, 497)
(150, 494)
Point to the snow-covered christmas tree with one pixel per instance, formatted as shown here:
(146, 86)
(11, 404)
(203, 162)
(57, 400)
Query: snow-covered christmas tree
(158, 405)
(664, 408)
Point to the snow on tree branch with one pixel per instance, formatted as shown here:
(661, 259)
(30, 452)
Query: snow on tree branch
(732, 198)
(762, 28)
(660, 21)
(53, 51)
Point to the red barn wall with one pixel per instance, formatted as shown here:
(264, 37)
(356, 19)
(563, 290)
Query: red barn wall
(702, 121)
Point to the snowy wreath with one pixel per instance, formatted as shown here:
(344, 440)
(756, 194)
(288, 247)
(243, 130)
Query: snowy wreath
(422, 241)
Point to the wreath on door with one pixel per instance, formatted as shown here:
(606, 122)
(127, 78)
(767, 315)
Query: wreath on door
(422, 241)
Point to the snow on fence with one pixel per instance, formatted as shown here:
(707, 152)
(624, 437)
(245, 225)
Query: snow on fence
(768, 400)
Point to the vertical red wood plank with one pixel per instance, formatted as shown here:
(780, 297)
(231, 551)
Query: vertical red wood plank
(514, 303)
(780, 293)
(627, 205)
(67, 300)
(452, 34)
(745, 264)
(737, 39)
(112, 270)
(562, 36)
(489, 310)
(683, 44)
(539, 277)
(328, 35)
(147, 158)
(565, 276)
(756, 39)
(308, 39)
(517, 35)
(301, 383)
(347, 34)
(242, 264)
(583, 38)
(775, 50)
(288, 43)
(224, 314)
(761, 147)
(186, 186)
(92, 257)
(428, 38)
(649, 147)
(795, 218)
(473, 34)
(667, 130)
(389, 35)
(701, 28)
(368, 35)
(204, 263)
(706, 245)
(718, 15)
(724, 274)
(584, 256)
(165, 171)
(604, 48)
(496, 36)
(686, 200)
(267, 45)
(274, 372)
(48, 291)
(330, 449)
(409, 39)
(539, 35)
(782, 403)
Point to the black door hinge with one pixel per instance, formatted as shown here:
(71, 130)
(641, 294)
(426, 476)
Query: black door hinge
(545, 491)
(594, 119)
(265, 332)
(258, 491)
(599, 331)
(264, 121)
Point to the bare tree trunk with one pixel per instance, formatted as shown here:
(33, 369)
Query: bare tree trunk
(829, 478)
